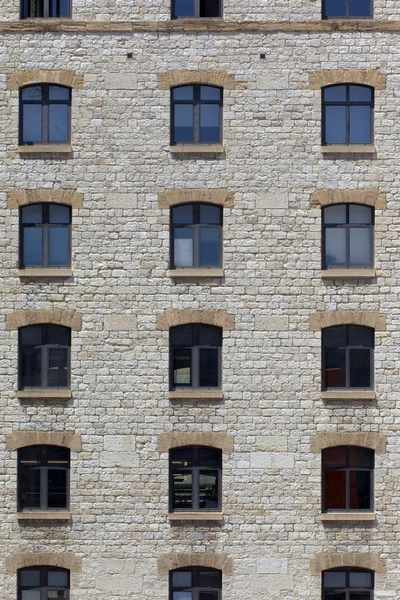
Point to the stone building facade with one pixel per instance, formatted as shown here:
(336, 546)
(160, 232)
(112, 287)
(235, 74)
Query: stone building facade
(270, 420)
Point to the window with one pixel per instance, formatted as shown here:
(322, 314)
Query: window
(43, 583)
(45, 114)
(347, 479)
(44, 356)
(347, 9)
(195, 479)
(196, 114)
(196, 236)
(43, 478)
(45, 234)
(195, 352)
(195, 583)
(36, 9)
(347, 357)
(347, 112)
(348, 233)
(195, 8)
(347, 584)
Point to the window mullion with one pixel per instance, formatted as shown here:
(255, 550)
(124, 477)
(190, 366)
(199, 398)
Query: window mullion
(195, 367)
(45, 366)
(196, 122)
(45, 115)
(347, 363)
(43, 488)
(196, 245)
(195, 488)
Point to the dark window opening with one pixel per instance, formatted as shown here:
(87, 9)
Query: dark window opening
(347, 584)
(195, 354)
(347, 479)
(185, 9)
(347, 357)
(47, 9)
(44, 115)
(196, 114)
(347, 9)
(43, 478)
(44, 357)
(347, 114)
(195, 583)
(195, 479)
(348, 234)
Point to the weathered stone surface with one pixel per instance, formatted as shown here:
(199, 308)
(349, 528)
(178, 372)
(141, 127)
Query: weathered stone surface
(272, 460)
(171, 318)
(120, 81)
(66, 318)
(66, 439)
(186, 77)
(181, 560)
(27, 77)
(374, 78)
(367, 318)
(65, 560)
(220, 197)
(373, 198)
(337, 438)
(24, 197)
(321, 562)
(175, 439)
(120, 323)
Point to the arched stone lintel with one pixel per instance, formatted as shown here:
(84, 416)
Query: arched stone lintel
(330, 318)
(64, 560)
(66, 318)
(65, 439)
(223, 79)
(321, 79)
(25, 197)
(220, 197)
(368, 439)
(68, 78)
(181, 560)
(177, 439)
(172, 317)
(322, 562)
(372, 198)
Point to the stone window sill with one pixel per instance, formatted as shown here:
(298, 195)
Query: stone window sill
(349, 149)
(44, 394)
(44, 515)
(188, 273)
(197, 149)
(348, 273)
(45, 149)
(196, 394)
(195, 516)
(347, 516)
(45, 273)
(349, 395)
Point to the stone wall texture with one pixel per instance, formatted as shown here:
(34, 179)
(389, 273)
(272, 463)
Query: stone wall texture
(120, 299)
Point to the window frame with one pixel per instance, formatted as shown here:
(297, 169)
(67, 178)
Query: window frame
(347, 17)
(44, 469)
(45, 226)
(347, 590)
(197, 10)
(195, 226)
(196, 103)
(347, 226)
(347, 349)
(347, 103)
(195, 472)
(194, 589)
(44, 353)
(45, 10)
(195, 360)
(45, 102)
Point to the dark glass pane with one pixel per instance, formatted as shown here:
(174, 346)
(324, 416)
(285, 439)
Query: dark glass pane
(31, 367)
(182, 579)
(208, 595)
(59, 214)
(31, 336)
(183, 8)
(209, 457)
(359, 93)
(32, 247)
(209, 246)
(335, 579)
(208, 367)
(58, 367)
(32, 123)
(57, 490)
(335, 125)
(334, 337)
(360, 214)
(208, 489)
(32, 214)
(210, 336)
(183, 247)
(336, 93)
(361, 336)
(58, 93)
(335, 596)
(210, 93)
(360, 490)
(182, 215)
(33, 93)
(360, 8)
(181, 457)
(335, 8)
(360, 247)
(360, 369)
(30, 487)
(182, 335)
(182, 489)
(186, 595)
(64, 8)
(183, 93)
(334, 457)
(183, 123)
(182, 366)
(210, 215)
(361, 457)
(56, 454)
(360, 596)
(360, 579)
(335, 214)
(58, 123)
(29, 578)
(360, 125)
(335, 368)
(30, 453)
(209, 123)
(58, 335)
(210, 579)
(335, 247)
(209, 8)
(59, 246)
(335, 490)
(58, 579)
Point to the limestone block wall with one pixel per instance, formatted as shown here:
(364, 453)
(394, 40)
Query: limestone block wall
(272, 406)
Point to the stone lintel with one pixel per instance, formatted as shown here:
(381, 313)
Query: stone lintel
(65, 439)
(67, 78)
(172, 318)
(330, 318)
(170, 79)
(367, 439)
(221, 197)
(322, 562)
(181, 560)
(371, 197)
(64, 560)
(69, 197)
(371, 77)
(23, 318)
(177, 439)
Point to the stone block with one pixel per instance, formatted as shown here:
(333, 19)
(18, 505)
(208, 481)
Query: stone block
(120, 81)
(120, 323)
(272, 565)
(272, 200)
(271, 323)
(272, 460)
